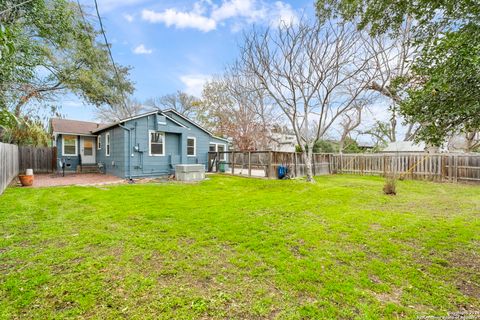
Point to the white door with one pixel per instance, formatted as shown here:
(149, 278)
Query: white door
(87, 149)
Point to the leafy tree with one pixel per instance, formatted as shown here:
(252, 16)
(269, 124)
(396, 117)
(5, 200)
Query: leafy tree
(442, 91)
(387, 16)
(26, 132)
(351, 146)
(320, 146)
(448, 100)
(55, 51)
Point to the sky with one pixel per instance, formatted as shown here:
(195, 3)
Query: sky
(179, 45)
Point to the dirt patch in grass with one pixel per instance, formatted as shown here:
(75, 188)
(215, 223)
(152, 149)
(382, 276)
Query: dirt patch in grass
(468, 266)
(394, 296)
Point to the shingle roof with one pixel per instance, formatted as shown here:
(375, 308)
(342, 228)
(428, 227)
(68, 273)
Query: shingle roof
(74, 126)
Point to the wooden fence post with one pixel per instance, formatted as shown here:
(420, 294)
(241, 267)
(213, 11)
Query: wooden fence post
(295, 163)
(249, 164)
(233, 162)
(269, 165)
(340, 167)
(314, 165)
(455, 167)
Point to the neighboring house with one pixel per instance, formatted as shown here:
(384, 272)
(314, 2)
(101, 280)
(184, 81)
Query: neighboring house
(146, 145)
(405, 147)
(460, 143)
(283, 142)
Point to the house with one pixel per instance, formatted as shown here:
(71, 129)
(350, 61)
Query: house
(146, 145)
(283, 142)
(405, 147)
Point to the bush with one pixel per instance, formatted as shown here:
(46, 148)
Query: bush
(390, 186)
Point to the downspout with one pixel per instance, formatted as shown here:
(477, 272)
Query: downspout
(129, 149)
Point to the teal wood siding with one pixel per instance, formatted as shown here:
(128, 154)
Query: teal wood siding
(142, 164)
(115, 163)
(203, 141)
(130, 148)
(71, 162)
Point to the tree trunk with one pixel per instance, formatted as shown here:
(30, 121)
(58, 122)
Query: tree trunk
(341, 145)
(307, 159)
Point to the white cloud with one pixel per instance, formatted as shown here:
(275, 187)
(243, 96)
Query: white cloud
(141, 49)
(194, 83)
(206, 15)
(283, 14)
(128, 17)
(179, 19)
(238, 8)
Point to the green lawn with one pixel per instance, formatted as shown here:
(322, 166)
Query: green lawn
(240, 248)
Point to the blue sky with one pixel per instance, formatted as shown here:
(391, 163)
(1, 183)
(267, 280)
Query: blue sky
(178, 45)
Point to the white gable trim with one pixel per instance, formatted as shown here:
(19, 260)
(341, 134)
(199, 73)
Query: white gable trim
(194, 123)
(140, 116)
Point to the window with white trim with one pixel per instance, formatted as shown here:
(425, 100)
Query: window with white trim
(218, 147)
(107, 144)
(70, 147)
(221, 148)
(191, 146)
(156, 143)
(99, 142)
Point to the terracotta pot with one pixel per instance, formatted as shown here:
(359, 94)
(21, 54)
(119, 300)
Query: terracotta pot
(26, 181)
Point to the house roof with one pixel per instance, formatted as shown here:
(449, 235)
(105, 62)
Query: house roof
(74, 126)
(194, 123)
(136, 117)
(405, 146)
(90, 128)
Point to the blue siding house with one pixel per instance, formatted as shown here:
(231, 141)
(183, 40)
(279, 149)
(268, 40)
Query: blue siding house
(146, 145)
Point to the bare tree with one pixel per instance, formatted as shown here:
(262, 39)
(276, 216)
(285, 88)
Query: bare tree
(231, 108)
(314, 73)
(180, 101)
(350, 121)
(110, 114)
(250, 99)
(392, 59)
(473, 140)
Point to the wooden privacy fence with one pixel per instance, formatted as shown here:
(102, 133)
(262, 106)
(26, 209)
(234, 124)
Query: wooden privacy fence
(41, 160)
(437, 167)
(8, 164)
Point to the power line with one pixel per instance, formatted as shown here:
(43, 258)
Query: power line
(111, 56)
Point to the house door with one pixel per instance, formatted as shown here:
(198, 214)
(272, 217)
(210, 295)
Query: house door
(87, 149)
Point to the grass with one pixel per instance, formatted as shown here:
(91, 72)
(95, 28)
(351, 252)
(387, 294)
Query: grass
(240, 248)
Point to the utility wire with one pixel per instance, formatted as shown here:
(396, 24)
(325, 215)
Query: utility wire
(111, 56)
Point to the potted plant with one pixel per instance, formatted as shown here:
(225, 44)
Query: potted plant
(26, 179)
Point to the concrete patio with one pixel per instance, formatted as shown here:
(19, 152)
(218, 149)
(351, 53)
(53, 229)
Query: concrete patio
(79, 179)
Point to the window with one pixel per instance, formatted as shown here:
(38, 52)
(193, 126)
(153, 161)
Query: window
(99, 142)
(191, 146)
(221, 148)
(216, 147)
(69, 145)
(88, 146)
(107, 144)
(157, 143)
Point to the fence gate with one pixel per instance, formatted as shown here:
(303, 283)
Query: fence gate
(41, 160)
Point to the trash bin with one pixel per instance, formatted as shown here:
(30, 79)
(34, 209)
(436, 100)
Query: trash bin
(221, 166)
(282, 172)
